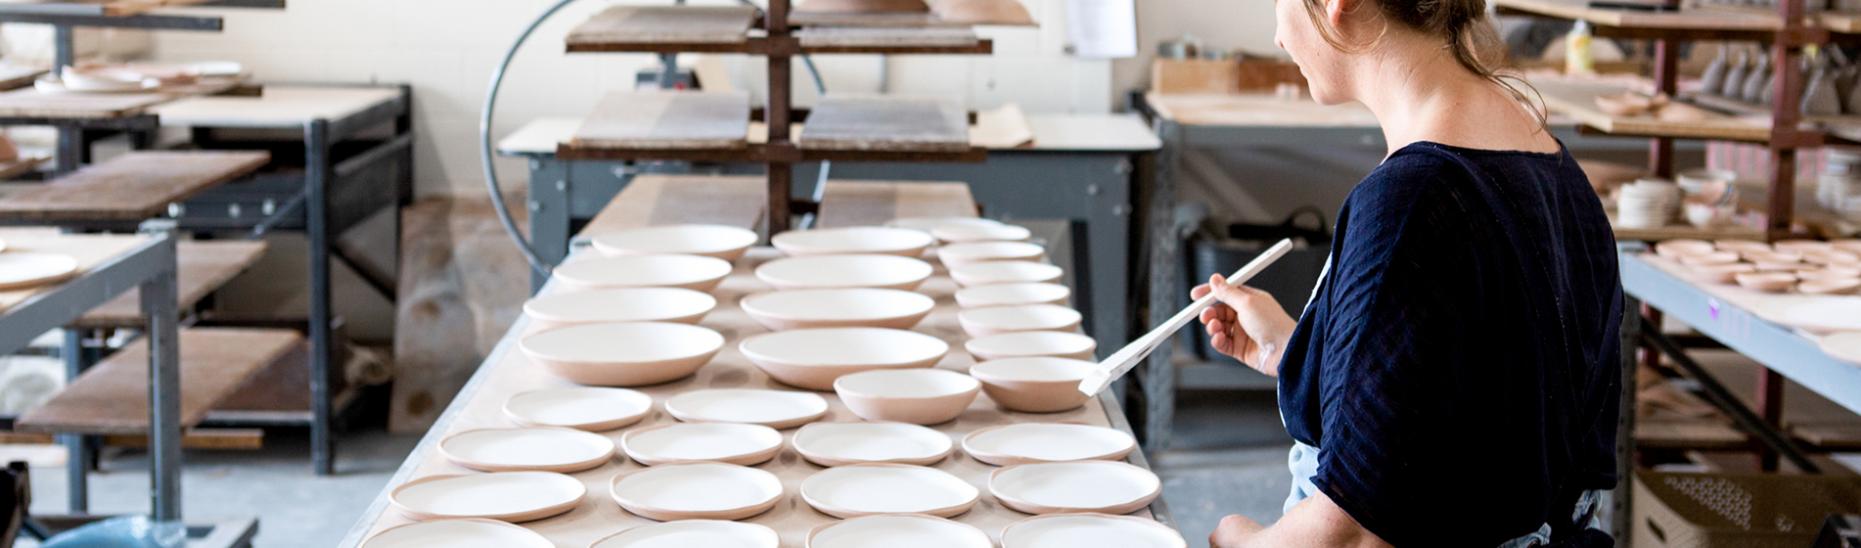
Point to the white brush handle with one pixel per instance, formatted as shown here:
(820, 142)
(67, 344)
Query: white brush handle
(1126, 358)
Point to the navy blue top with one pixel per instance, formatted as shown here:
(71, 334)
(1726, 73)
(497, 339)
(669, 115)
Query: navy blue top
(1458, 365)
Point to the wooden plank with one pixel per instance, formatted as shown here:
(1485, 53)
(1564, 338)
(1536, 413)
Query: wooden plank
(861, 6)
(201, 268)
(1195, 76)
(1686, 19)
(879, 37)
(866, 203)
(982, 12)
(17, 76)
(667, 119)
(648, 200)
(112, 397)
(89, 251)
(889, 20)
(1683, 230)
(1829, 436)
(1257, 110)
(1576, 99)
(886, 124)
(31, 103)
(277, 107)
(664, 24)
(21, 166)
(131, 187)
(1689, 434)
(197, 438)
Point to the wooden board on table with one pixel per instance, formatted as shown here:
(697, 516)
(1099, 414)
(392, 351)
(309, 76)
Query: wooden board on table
(32, 103)
(885, 123)
(1576, 99)
(131, 187)
(861, 6)
(1689, 434)
(1192, 76)
(1257, 110)
(868, 203)
(887, 20)
(665, 24)
(650, 199)
(982, 12)
(1686, 19)
(112, 397)
(201, 267)
(1680, 230)
(667, 120)
(853, 37)
(276, 107)
(89, 250)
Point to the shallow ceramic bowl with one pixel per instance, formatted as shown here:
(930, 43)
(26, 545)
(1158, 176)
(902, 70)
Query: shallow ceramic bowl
(1769, 282)
(681, 271)
(594, 409)
(1848, 286)
(959, 254)
(843, 443)
(706, 490)
(1851, 245)
(1772, 256)
(916, 396)
(1033, 442)
(1741, 246)
(898, 530)
(475, 533)
(1801, 246)
(623, 354)
(979, 232)
(1818, 274)
(930, 224)
(1084, 486)
(867, 489)
(857, 240)
(514, 449)
(1012, 294)
(1030, 344)
(995, 320)
(1705, 259)
(1674, 249)
(1034, 385)
(814, 358)
(1832, 257)
(1003, 272)
(707, 533)
(772, 408)
(504, 496)
(1722, 273)
(627, 304)
(723, 242)
(688, 442)
(854, 307)
(844, 271)
(1090, 531)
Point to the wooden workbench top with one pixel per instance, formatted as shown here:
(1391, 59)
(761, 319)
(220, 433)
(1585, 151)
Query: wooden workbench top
(90, 250)
(1261, 110)
(274, 107)
(132, 187)
(1052, 132)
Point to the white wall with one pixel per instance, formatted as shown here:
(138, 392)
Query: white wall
(447, 49)
(1218, 24)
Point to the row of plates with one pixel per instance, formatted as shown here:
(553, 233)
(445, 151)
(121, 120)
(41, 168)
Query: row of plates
(1050, 531)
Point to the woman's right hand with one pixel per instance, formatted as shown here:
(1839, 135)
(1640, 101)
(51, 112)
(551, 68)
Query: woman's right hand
(1246, 323)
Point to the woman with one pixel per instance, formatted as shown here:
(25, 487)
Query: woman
(1453, 380)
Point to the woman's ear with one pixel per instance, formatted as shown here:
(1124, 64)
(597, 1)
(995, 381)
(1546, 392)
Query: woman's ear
(1336, 10)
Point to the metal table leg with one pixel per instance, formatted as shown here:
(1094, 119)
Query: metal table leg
(158, 305)
(80, 458)
(549, 214)
(316, 229)
(1625, 421)
(1163, 250)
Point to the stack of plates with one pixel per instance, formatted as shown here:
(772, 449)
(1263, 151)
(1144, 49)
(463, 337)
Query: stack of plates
(1647, 203)
(723, 242)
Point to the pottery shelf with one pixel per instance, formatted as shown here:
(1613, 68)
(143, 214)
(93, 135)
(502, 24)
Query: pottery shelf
(197, 438)
(128, 188)
(111, 397)
(1673, 231)
(733, 29)
(716, 127)
(1685, 24)
(201, 267)
(122, 8)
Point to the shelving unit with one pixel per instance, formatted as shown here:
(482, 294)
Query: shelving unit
(715, 127)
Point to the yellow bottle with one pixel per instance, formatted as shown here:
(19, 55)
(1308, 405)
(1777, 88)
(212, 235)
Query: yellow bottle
(1577, 56)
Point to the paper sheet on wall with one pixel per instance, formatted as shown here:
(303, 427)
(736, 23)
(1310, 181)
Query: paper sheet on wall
(1102, 29)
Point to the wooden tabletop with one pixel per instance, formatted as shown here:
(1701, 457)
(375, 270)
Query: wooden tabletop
(652, 199)
(113, 396)
(90, 250)
(28, 102)
(131, 187)
(867, 203)
(275, 107)
(665, 24)
(1052, 132)
(885, 123)
(1257, 110)
(668, 119)
(201, 267)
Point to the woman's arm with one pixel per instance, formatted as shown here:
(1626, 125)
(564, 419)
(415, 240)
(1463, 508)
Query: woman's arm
(1314, 522)
(1247, 324)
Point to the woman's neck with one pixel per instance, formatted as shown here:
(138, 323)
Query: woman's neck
(1419, 92)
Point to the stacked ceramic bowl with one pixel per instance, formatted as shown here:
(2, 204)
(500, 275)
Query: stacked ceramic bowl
(1711, 196)
(1647, 203)
(1839, 188)
(1810, 267)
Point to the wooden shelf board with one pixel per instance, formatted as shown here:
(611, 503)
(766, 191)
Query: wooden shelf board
(871, 203)
(1696, 23)
(884, 123)
(651, 199)
(112, 396)
(629, 25)
(1576, 99)
(1673, 231)
(801, 19)
(676, 120)
(765, 152)
(201, 267)
(131, 187)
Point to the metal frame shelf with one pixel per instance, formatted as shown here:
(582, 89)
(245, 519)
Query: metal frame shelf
(763, 45)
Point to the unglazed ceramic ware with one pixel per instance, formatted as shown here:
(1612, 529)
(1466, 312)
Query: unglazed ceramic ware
(1003, 272)
(930, 224)
(681, 271)
(1085, 486)
(1028, 443)
(916, 396)
(898, 531)
(1706, 259)
(623, 354)
(514, 449)
(680, 443)
(1028, 344)
(1034, 385)
(958, 254)
(1843, 346)
(772, 408)
(857, 240)
(19, 269)
(1801, 246)
(995, 320)
(706, 490)
(723, 242)
(1674, 249)
(866, 489)
(693, 533)
(630, 304)
(594, 409)
(1769, 282)
(1823, 314)
(979, 232)
(843, 443)
(1090, 531)
(844, 271)
(1721, 273)
(458, 533)
(1740, 246)
(814, 358)
(1012, 295)
(1847, 286)
(855, 307)
(507, 496)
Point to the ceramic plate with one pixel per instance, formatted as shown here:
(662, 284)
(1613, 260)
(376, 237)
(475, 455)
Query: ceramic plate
(1844, 346)
(865, 489)
(1012, 295)
(1090, 531)
(930, 224)
(1085, 486)
(959, 254)
(1034, 385)
(458, 533)
(706, 490)
(630, 304)
(979, 232)
(513, 449)
(995, 320)
(875, 240)
(771, 408)
(898, 531)
(583, 408)
(842, 271)
(916, 396)
(723, 242)
(679, 443)
(842, 443)
(508, 496)
(1674, 249)
(856, 307)
(1027, 344)
(623, 354)
(1823, 314)
(1003, 272)
(19, 270)
(814, 358)
(1027, 443)
(692, 533)
(682, 271)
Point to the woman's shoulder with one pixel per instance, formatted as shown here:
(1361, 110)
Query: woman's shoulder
(1415, 180)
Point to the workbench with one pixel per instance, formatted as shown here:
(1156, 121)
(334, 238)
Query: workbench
(506, 371)
(1084, 169)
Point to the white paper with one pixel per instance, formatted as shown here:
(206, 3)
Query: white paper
(1102, 29)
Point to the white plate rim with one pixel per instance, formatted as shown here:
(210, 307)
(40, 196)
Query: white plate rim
(1064, 294)
(746, 458)
(759, 476)
(532, 514)
(533, 536)
(761, 530)
(796, 243)
(825, 507)
(531, 306)
(1151, 524)
(692, 276)
(740, 239)
(1092, 346)
(1017, 503)
(617, 422)
(986, 456)
(767, 272)
(824, 459)
(922, 304)
(563, 467)
(753, 355)
(971, 531)
(66, 267)
(714, 342)
(779, 423)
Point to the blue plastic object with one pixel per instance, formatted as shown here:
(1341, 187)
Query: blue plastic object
(122, 532)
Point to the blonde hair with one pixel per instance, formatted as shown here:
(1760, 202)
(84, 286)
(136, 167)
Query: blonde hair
(1462, 23)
